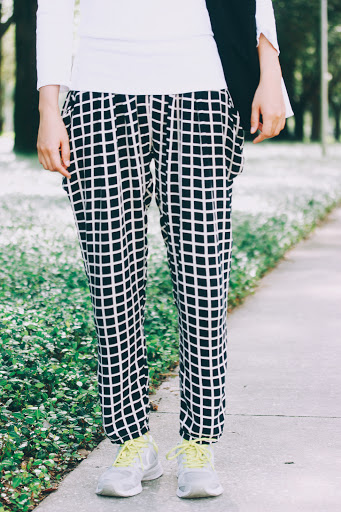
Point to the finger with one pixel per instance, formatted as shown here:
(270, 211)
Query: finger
(48, 161)
(268, 127)
(259, 137)
(43, 162)
(279, 126)
(45, 157)
(56, 164)
(254, 117)
(40, 157)
(283, 123)
(65, 152)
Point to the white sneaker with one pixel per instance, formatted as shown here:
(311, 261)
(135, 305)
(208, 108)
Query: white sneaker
(136, 460)
(197, 477)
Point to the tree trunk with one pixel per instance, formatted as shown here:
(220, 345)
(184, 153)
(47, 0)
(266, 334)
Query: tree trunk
(337, 128)
(26, 114)
(316, 116)
(299, 121)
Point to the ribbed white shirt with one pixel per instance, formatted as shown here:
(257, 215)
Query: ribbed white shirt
(136, 46)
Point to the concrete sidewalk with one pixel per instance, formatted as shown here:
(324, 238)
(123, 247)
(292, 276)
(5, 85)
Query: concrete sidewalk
(281, 447)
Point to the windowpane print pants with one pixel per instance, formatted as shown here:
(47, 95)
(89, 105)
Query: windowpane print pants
(197, 143)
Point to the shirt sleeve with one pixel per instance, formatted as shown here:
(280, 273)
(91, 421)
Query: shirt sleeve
(266, 23)
(54, 42)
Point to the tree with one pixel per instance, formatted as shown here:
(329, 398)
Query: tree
(3, 29)
(298, 23)
(26, 114)
(334, 89)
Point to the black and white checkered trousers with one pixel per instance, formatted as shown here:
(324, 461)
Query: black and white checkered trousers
(196, 141)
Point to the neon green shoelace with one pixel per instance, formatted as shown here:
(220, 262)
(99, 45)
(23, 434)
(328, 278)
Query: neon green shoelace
(130, 450)
(197, 455)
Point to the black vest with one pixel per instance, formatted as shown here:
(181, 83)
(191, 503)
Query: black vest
(234, 27)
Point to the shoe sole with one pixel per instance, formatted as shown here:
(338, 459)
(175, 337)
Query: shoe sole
(199, 492)
(151, 474)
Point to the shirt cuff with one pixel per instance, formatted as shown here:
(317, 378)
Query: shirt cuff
(288, 110)
(64, 84)
(270, 37)
(266, 22)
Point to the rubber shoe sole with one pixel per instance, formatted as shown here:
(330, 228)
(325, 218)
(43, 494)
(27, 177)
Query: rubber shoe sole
(198, 491)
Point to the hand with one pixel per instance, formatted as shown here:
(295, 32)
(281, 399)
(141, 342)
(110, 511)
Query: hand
(268, 99)
(53, 141)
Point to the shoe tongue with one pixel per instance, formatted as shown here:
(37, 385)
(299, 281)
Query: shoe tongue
(202, 456)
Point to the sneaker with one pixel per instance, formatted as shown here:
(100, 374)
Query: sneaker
(136, 460)
(197, 477)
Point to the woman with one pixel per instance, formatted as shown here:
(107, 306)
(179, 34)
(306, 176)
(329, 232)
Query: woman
(148, 82)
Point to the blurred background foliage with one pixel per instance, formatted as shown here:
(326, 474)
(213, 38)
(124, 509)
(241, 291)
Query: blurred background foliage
(298, 30)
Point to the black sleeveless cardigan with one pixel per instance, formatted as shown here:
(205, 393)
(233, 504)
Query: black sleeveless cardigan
(234, 27)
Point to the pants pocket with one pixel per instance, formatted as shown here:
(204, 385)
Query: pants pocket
(66, 114)
(234, 143)
(67, 108)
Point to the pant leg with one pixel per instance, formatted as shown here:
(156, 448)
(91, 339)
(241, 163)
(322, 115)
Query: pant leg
(110, 190)
(199, 151)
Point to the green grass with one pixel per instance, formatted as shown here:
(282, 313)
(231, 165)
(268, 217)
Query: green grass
(50, 415)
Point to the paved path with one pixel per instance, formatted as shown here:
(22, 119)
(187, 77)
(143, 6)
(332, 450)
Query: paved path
(281, 447)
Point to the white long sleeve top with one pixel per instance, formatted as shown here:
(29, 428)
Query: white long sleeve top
(136, 46)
